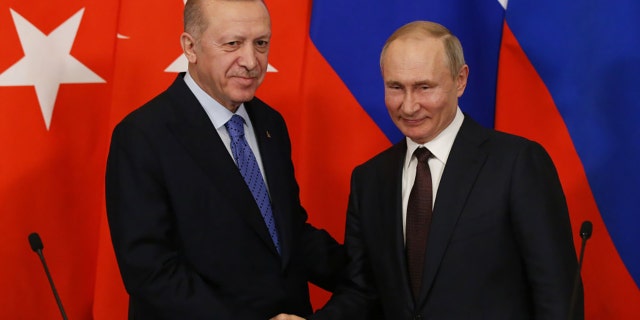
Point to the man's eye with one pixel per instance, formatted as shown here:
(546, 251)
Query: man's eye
(262, 45)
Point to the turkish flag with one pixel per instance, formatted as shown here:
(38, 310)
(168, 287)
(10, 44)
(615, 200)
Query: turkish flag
(148, 56)
(69, 71)
(56, 66)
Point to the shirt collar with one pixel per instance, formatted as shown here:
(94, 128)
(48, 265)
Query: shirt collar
(441, 145)
(218, 114)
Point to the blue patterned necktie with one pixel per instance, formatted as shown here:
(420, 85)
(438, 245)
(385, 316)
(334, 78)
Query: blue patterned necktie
(250, 171)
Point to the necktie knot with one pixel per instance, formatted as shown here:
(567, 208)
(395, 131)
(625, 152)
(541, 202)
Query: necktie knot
(422, 154)
(235, 126)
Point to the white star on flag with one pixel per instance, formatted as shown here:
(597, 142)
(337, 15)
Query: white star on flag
(47, 62)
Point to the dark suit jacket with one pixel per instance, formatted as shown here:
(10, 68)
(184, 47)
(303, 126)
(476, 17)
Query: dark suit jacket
(500, 245)
(188, 236)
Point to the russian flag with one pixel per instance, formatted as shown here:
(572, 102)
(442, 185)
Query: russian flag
(568, 78)
(564, 73)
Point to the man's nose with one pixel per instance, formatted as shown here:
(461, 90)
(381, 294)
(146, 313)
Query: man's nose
(248, 57)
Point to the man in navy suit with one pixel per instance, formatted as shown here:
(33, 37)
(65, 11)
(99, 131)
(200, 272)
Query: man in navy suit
(499, 245)
(191, 239)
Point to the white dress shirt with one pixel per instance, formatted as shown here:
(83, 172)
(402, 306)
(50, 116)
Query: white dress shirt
(219, 115)
(440, 147)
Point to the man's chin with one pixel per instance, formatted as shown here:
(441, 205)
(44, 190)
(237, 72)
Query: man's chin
(417, 135)
(244, 97)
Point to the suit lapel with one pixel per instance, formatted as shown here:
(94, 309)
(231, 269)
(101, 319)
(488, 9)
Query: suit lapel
(269, 143)
(391, 224)
(460, 173)
(194, 130)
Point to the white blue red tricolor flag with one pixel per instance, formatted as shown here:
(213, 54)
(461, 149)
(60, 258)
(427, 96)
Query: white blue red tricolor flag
(564, 73)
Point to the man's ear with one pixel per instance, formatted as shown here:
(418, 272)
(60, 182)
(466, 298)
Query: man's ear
(188, 44)
(461, 79)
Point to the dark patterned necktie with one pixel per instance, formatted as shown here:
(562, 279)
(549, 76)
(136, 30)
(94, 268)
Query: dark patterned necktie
(250, 171)
(419, 212)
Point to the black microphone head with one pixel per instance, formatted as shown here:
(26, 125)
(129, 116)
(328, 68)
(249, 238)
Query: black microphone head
(586, 229)
(35, 242)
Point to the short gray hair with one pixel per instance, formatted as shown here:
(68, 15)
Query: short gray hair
(452, 45)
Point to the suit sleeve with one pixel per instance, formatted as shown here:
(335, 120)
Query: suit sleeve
(143, 232)
(543, 230)
(323, 256)
(355, 297)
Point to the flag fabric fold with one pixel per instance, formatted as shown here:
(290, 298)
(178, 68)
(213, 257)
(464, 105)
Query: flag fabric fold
(563, 73)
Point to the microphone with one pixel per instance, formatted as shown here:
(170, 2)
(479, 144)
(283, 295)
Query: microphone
(585, 233)
(37, 246)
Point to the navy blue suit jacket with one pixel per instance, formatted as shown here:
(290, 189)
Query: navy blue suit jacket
(500, 245)
(188, 236)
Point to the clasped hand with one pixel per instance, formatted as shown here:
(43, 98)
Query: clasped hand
(284, 316)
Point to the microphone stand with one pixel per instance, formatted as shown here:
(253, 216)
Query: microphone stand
(585, 234)
(37, 246)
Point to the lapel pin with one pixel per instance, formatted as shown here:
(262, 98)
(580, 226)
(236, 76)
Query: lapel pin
(268, 134)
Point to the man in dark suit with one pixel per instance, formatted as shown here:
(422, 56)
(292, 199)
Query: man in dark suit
(478, 228)
(197, 232)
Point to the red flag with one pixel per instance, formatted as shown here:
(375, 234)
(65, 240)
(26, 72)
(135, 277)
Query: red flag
(330, 132)
(523, 104)
(69, 73)
(147, 59)
(55, 72)
(147, 46)
(149, 55)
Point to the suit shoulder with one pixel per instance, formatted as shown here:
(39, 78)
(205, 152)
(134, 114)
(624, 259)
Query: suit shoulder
(149, 113)
(472, 130)
(505, 146)
(386, 157)
(509, 140)
(161, 108)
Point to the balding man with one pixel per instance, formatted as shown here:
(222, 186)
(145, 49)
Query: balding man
(202, 201)
(456, 221)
